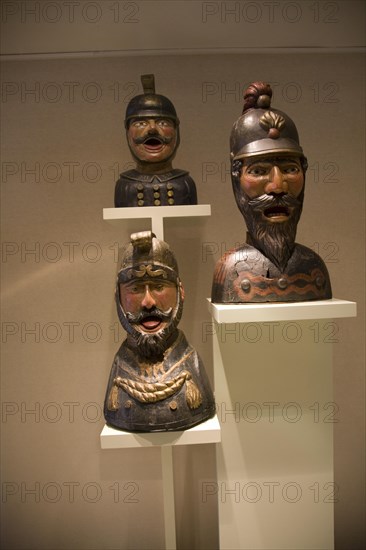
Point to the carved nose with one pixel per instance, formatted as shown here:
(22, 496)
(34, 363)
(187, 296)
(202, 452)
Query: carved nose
(148, 300)
(277, 182)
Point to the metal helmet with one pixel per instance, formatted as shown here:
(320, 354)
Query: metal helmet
(261, 129)
(147, 257)
(149, 104)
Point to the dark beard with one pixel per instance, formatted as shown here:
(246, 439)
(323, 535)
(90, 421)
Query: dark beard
(151, 347)
(275, 240)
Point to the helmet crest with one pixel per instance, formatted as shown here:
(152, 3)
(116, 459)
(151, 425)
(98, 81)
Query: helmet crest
(261, 129)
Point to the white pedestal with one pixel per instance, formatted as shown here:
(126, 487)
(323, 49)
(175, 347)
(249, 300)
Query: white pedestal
(156, 214)
(207, 432)
(273, 387)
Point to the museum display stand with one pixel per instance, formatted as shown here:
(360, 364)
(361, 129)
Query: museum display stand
(207, 432)
(273, 389)
(156, 214)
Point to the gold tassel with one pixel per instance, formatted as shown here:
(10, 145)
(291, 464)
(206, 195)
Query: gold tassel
(193, 394)
(113, 404)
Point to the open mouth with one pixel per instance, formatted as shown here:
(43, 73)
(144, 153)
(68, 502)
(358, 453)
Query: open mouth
(277, 213)
(151, 323)
(153, 144)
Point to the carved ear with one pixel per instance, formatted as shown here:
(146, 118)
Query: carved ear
(182, 293)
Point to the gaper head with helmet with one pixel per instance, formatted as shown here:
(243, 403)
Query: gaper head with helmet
(268, 173)
(149, 295)
(152, 127)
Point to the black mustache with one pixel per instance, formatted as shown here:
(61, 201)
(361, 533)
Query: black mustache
(145, 314)
(270, 201)
(149, 135)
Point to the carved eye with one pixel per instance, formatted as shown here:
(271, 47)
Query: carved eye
(164, 123)
(291, 169)
(257, 171)
(134, 289)
(159, 287)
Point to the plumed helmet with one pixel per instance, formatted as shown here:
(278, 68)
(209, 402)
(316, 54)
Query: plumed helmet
(261, 129)
(147, 257)
(149, 104)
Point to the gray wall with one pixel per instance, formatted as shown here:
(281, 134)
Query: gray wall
(63, 146)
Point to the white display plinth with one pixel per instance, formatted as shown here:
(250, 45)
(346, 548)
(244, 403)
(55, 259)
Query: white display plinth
(290, 311)
(206, 432)
(273, 388)
(156, 214)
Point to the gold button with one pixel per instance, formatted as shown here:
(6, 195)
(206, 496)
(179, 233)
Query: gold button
(128, 404)
(156, 187)
(156, 195)
(140, 187)
(140, 203)
(169, 186)
(140, 195)
(170, 193)
(157, 203)
(173, 405)
(170, 201)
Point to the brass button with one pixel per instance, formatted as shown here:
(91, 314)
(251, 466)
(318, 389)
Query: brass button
(156, 195)
(157, 203)
(156, 187)
(128, 404)
(245, 285)
(140, 187)
(170, 193)
(170, 201)
(173, 405)
(169, 186)
(140, 203)
(282, 283)
(140, 195)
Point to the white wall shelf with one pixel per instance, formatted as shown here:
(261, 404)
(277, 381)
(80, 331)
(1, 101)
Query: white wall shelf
(156, 214)
(290, 311)
(206, 432)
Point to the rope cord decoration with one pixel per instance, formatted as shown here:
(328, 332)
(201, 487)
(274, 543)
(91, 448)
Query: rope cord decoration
(152, 393)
